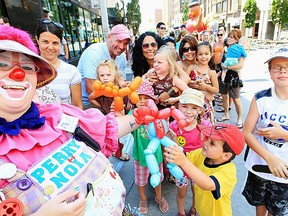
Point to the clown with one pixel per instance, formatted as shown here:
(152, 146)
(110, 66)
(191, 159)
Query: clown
(44, 169)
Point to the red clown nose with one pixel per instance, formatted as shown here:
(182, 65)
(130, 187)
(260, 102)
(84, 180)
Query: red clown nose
(17, 74)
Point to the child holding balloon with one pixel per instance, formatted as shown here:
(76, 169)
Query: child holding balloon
(108, 72)
(141, 141)
(191, 104)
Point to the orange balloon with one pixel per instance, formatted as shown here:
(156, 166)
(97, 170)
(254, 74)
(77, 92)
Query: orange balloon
(134, 97)
(96, 85)
(115, 92)
(124, 91)
(97, 94)
(109, 84)
(108, 89)
(118, 103)
(136, 82)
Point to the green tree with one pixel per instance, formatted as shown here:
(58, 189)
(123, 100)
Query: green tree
(250, 8)
(185, 16)
(279, 14)
(118, 11)
(133, 15)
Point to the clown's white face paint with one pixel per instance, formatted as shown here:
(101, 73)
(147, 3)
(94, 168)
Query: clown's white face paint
(16, 95)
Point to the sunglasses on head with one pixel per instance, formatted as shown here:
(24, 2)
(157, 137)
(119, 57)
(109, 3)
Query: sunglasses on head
(46, 21)
(186, 49)
(163, 28)
(147, 45)
(219, 34)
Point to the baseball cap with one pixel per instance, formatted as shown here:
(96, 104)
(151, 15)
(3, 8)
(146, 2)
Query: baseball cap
(121, 32)
(192, 96)
(193, 3)
(146, 89)
(226, 132)
(282, 52)
(47, 72)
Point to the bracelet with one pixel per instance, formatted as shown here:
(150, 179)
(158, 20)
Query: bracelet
(171, 92)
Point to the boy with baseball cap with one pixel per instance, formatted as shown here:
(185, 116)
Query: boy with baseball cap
(211, 167)
(266, 134)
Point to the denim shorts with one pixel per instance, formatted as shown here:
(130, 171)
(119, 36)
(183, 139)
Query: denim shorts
(273, 195)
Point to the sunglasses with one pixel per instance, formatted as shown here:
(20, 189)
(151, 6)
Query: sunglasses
(219, 35)
(46, 21)
(163, 28)
(186, 49)
(147, 45)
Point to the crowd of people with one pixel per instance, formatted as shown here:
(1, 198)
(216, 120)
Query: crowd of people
(57, 133)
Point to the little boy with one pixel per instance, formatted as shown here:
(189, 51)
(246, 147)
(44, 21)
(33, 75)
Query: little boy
(267, 145)
(211, 167)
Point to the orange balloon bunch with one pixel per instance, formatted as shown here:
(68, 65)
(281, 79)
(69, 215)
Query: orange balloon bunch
(111, 90)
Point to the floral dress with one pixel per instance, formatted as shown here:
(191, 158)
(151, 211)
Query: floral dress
(196, 75)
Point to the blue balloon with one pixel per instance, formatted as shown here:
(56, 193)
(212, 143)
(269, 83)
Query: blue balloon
(150, 158)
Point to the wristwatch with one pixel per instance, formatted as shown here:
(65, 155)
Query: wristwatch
(171, 92)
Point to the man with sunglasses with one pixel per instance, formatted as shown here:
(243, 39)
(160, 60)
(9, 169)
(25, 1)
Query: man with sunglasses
(161, 28)
(113, 48)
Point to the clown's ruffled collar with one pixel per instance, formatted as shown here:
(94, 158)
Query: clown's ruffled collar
(29, 120)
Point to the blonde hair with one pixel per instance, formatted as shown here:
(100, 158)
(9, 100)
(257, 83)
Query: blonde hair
(113, 68)
(170, 55)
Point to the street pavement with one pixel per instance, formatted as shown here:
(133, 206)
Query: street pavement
(256, 77)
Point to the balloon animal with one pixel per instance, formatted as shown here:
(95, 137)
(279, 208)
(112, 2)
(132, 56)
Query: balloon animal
(111, 90)
(157, 129)
(196, 21)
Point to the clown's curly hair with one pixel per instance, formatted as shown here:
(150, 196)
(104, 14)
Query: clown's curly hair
(20, 36)
(140, 65)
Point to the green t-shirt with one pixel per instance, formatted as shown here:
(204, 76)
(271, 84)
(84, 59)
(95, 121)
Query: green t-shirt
(141, 141)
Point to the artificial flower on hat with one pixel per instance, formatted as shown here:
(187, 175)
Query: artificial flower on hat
(146, 89)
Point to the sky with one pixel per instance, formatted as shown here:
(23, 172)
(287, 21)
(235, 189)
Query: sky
(147, 8)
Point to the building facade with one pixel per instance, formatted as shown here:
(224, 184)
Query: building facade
(81, 22)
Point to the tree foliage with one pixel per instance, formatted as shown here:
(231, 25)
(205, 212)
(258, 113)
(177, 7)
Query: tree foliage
(133, 15)
(279, 12)
(250, 8)
(185, 16)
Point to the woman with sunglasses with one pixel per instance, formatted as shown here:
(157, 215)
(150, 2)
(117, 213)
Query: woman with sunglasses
(231, 81)
(187, 52)
(67, 84)
(143, 53)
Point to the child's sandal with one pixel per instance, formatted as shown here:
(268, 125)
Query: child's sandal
(192, 211)
(163, 205)
(181, 214)
(143, 207)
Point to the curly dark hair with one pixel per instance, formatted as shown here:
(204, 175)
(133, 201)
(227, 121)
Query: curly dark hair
(140, 65)
(192, 42)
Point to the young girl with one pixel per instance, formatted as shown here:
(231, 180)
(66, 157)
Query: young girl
(141, 142)
(191, 105)
(107, 71)
(168, 84)
(204, 78)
